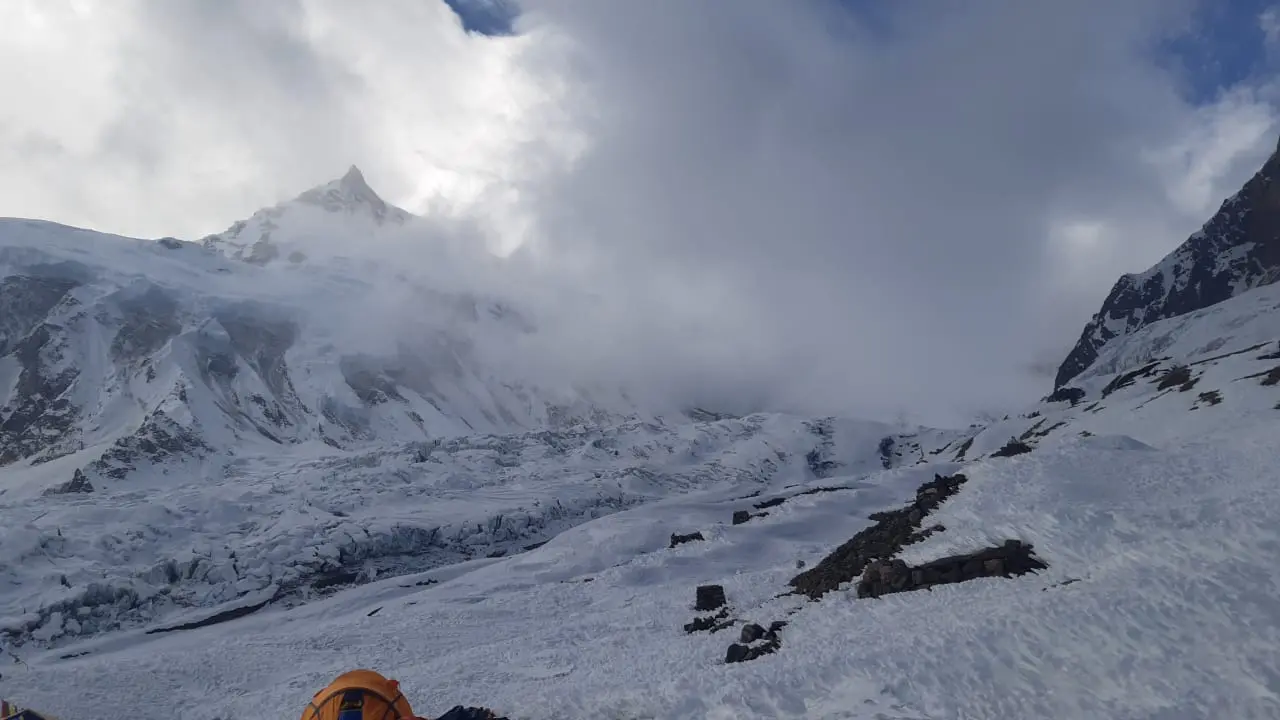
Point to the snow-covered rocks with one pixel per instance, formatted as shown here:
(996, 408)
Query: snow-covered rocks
(1010, 559)
(1236, 250)
(892, 531)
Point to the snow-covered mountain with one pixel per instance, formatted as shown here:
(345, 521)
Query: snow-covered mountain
(1236, 250)
(346, 209)
(124, 358)
(554, 574)
(1108, 552)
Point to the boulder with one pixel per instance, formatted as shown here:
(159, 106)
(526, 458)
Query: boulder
(678, 539)
(710, 597)
(1012, 558)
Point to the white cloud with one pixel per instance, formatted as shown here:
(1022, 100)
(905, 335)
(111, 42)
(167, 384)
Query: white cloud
(774, 204)
(151, 117)
(1269, 22)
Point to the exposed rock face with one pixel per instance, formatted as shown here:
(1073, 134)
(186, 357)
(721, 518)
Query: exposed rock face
(1012, 558)
(709, 597)
(714, 623)
(892, 531)
(25, 301)
(1011, 448)
(678, 539)
(755, 642)
(159, 439)
(98, 333)
(79, 483)
(149, 320)
(1236, 250)
(40, 419)
(1065, 394)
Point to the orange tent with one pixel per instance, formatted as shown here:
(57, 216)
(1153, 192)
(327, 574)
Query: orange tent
(360, 695)
(9, 711)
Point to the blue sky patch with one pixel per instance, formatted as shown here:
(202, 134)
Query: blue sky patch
(486, 17)
(1227, 46)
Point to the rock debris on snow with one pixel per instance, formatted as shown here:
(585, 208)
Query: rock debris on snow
(1013, 558)
(1013, 447)
(709, 597)
(678, 539)
(892, 531)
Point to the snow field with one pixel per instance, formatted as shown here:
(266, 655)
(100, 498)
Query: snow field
(1173, 614)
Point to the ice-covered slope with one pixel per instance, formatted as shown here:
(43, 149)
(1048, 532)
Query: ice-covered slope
(286, 525)
(1149, 492)
(1236, 250)
(123, 358)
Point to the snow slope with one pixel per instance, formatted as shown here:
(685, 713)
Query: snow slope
(291, 526)
(1150, 492)
(123, 359)
(1234, 251)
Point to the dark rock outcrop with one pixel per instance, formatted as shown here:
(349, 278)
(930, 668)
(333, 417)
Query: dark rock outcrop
(158, 439)
(1236, 250)
(714, 623)
(710, 597)
(678, 539)
(77, 484)
(25, 302)
(893, 576)
(1013, 447)
(892, 531)
(819, 458)
(755, 642)
(751, 632)
(1174, 376)
(1208, 398)
(40, 418)
(742, 516)
(1066, 394)
(1270, 377)
(1124, 380)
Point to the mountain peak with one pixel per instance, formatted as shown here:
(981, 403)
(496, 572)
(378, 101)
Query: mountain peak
(261, 238)
(351, 193)
(354, 181)
(1236, 250)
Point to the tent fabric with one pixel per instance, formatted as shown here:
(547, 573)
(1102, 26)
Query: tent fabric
(359, 695)
(9, 711)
